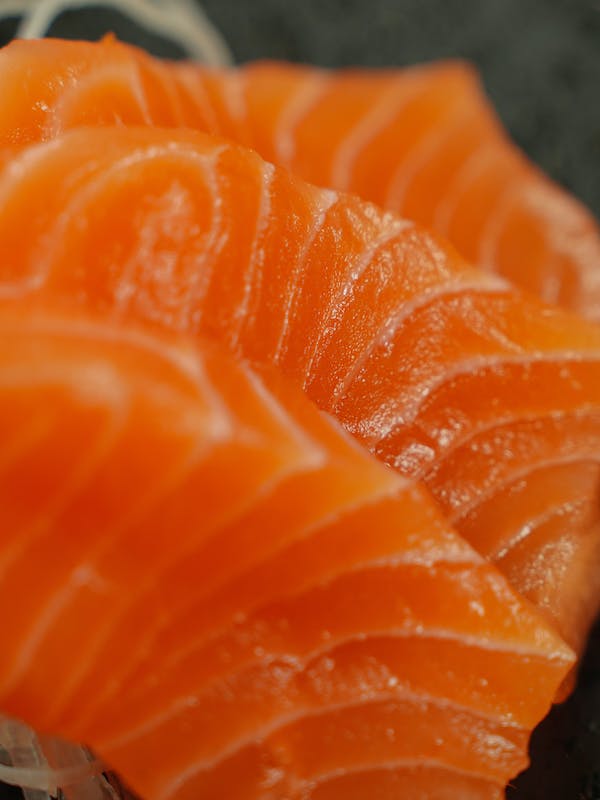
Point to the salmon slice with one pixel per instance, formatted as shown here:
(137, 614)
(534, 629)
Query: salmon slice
(140, 449)
(388, 783)
(422, 141)
(446, 373)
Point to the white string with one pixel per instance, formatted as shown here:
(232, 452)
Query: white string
(184, 21)
(42, 765)
(13, 8)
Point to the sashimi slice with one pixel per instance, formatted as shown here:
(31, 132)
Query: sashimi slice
(529, 538)
(408, 627)
(444, 372)
(318, 745)
(290, 634)
(267, 552)
(261, 458)
(388, 783)
(421, 141)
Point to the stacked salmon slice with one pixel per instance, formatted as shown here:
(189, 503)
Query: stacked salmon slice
(306, 506)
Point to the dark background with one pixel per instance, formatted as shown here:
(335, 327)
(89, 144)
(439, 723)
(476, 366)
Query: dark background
(540, 60)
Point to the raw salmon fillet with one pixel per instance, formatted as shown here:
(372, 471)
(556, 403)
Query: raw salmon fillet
(423, 141)
(255, 604)
(446, 373)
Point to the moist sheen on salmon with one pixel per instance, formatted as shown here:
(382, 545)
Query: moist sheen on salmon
(226, 596)
(447, 374)
(423, 141)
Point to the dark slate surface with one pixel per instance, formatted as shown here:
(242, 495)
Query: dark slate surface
(540, 61)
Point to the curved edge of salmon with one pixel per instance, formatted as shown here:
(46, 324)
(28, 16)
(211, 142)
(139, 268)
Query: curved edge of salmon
(128, 436)
(423, 141)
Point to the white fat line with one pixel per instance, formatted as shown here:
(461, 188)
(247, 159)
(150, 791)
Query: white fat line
(395, 96)
(316, 455)
(556, 415)
(400, 765)
(342, 300)
(185, 360)
(301, 663)
(192, 83)
(312, 88)
(170, 786)
(471, 168)
(516, 475)
(393, 561)
(253, 275)
(326, 200)
(423, 153)
(302, 534)
(97, 77)
(529, 528)
(474, 365)
(481, 285)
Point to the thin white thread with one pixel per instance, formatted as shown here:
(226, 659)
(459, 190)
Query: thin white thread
(182, 20)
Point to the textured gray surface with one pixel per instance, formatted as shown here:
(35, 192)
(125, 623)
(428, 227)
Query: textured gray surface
(540, 61)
